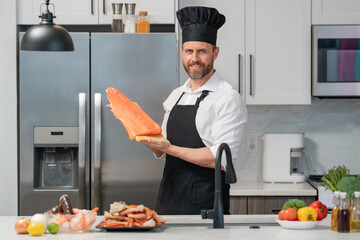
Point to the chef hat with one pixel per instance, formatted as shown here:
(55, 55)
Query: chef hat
(200, 23)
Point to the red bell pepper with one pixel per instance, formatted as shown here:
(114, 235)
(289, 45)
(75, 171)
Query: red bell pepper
(320, 208)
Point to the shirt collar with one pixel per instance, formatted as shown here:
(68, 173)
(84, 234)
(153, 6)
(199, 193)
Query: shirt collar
(211, 85)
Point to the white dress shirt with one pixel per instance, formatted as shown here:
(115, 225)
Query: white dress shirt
(221, 117)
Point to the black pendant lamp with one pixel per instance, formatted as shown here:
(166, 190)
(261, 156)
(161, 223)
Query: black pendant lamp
(47, 36)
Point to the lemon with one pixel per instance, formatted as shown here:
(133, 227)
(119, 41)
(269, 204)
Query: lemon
(36, 229)
(53, 228)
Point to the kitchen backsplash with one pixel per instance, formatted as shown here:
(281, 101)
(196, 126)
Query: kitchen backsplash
(331, 128)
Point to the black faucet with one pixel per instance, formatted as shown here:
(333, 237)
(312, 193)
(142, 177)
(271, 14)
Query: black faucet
(217, 214)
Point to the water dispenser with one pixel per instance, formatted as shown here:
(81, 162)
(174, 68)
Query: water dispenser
(56, 157)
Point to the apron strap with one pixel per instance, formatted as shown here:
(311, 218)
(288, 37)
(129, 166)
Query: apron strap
(179, 99)
(198, 100)
(203, 95)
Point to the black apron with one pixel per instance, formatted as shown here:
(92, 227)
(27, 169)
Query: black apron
(187, 188)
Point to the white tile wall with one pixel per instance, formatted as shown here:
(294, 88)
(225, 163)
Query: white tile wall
(331, 127)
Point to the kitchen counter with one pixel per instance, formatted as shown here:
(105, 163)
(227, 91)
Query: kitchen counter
(257, 188)
(193, 227)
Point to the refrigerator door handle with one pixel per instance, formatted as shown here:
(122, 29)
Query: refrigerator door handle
(96, 166)
(82, 142)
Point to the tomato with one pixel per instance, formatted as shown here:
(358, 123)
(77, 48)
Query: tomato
(290, 214)
(281, 215)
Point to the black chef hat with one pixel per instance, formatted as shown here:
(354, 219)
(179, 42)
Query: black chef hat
(200, 23)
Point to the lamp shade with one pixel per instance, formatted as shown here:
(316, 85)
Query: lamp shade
(47, 37)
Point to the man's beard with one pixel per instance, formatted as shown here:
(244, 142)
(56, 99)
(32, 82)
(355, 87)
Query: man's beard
(198, 74)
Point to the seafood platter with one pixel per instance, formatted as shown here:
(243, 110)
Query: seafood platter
(123, 217)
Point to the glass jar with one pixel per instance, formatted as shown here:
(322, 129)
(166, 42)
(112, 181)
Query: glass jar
(355, 214)
(143, 25)
(117, 20)
(344, 214)
(335, 211)
(130, 18)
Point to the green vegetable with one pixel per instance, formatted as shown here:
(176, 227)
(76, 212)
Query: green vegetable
(295, 204)
(333, 176)
(349, 185)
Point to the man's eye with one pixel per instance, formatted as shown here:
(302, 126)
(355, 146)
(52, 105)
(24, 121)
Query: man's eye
(189, 51)
(202, 51)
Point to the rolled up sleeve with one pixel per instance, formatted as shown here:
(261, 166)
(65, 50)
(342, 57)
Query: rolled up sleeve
(229, 125)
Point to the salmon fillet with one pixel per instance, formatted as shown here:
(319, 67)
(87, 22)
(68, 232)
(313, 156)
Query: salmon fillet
(133, 118)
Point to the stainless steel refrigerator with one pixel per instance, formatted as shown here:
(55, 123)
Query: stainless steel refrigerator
(69, 141)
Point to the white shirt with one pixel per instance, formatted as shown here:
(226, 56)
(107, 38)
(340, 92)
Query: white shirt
(221, 117)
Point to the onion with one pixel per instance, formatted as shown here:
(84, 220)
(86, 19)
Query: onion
(41, 218)
(21, 225)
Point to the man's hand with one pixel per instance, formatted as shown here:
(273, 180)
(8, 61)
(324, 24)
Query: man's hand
(158, 146)
(199, 156)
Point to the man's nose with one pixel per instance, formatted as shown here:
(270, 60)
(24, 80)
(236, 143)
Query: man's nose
(194, 56)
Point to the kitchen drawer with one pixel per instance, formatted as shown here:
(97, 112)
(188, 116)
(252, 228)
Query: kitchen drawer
(262, 204)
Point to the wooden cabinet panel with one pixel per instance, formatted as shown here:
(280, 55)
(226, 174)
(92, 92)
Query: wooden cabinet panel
(238, 205)
(262, 204)
(271, 205)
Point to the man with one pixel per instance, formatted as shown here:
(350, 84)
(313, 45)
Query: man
(199, 116)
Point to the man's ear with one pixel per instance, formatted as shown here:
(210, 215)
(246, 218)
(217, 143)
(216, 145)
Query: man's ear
(216, 53)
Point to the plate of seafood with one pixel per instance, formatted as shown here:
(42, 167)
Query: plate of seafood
(123, 217)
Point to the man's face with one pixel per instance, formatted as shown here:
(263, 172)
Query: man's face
(198, 58)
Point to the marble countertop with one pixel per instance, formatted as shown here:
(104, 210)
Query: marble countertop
(193, 227)
(257, 188)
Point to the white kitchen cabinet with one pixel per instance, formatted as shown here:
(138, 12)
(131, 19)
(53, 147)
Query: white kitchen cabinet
(93, 11)
(278, 52)
(66, 11)
(265, 49)
(335, 12)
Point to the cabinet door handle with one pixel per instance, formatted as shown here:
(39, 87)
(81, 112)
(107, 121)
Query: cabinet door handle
(92, 7)
(251, 75)
(240, 74)
(104, 6)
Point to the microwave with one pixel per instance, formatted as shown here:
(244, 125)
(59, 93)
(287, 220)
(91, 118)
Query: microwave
(336, 60)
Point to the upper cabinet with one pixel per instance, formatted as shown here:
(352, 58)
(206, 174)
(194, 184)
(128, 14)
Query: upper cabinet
(93, 11)
(277, 55)
(66, 11)
(335, 12)
(265, 49)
